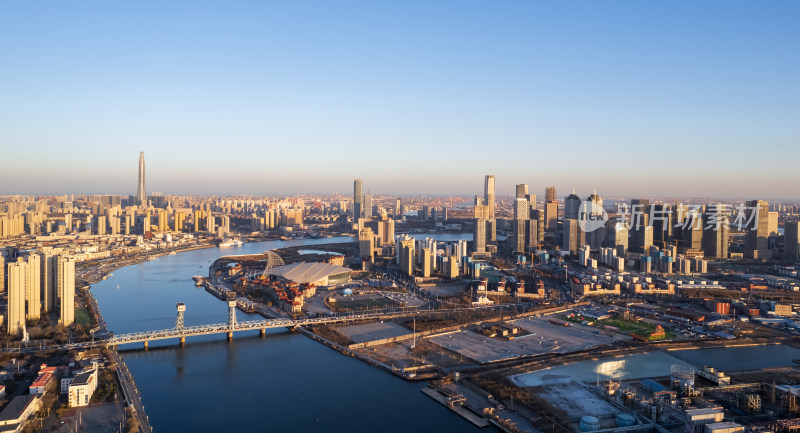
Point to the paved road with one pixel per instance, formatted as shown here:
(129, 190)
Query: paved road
(131, 393)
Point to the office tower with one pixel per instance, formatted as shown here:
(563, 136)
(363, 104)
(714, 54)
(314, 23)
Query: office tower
(488, 194)
(641, 236)
(661, 219)
(66, 290)
(617, 236)
(49, 279)
(33, 287)
(141, 193)
(532, 200)
(756, 240)
(522, 190)
(595, 238)
(536, 227)
(488, 197)
(716, 227)
(15, 315)
(692, 230)
(551, 215)
(358, 200)
(398, 209)
(550, 194)
(573, 236)
(791, 242)
(519, 223)
(572, 204)
(772, 224)
(367, 211)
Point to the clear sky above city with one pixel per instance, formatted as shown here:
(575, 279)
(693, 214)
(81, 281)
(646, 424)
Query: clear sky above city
(679, 98)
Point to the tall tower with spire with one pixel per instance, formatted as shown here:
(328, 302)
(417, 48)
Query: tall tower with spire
(141, 193)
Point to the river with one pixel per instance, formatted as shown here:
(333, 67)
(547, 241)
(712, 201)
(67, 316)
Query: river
(282, 382)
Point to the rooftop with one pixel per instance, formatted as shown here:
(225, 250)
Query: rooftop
(308, 272)
(16, 407)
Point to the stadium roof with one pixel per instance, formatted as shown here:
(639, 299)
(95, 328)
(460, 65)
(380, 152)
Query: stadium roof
(308, 272)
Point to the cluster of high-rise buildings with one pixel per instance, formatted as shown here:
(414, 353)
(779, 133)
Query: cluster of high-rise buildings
(37, 284)
(654, 234)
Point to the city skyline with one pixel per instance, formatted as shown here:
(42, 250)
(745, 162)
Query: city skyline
(631, 99)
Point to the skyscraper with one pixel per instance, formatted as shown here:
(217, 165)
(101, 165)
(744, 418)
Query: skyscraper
(522, 212)
(715, 231)
(491, 223)
(66, 290)
(756, 240)
(791, 242)
(522, 190)
(550, 194)
(141, 193)
(488, 194)
(33, 287)
(358, 200)
(572, 204)
(595, 238)
(641, 231)
(15, 316)
(49, 281)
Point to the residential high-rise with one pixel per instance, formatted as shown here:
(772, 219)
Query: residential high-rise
(33, 287)
(49, 281)
(617, 235)
(756, 240)
(791, 241)
(2, 273)
(716, 228)
(366, 244)
(692, 230)
(66, 290)
(405, 255)
(141, 193)
(15, 315)
(358, 200)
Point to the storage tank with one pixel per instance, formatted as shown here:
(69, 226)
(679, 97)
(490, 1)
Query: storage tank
(590, 423)
(625, 420)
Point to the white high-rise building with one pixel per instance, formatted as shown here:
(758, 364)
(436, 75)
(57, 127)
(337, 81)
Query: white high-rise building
(66, 290)
(15, 316)
(33, 287)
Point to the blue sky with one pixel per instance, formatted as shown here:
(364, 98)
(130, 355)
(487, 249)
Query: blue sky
(680, 98)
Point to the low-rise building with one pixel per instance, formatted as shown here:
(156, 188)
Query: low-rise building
(82, 388)
(17, 411)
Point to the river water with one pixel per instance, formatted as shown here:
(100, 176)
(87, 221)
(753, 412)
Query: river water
(282, 382)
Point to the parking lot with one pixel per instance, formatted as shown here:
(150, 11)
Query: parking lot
(544, 337)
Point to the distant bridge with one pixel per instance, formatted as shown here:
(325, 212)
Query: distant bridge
(180, 332)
